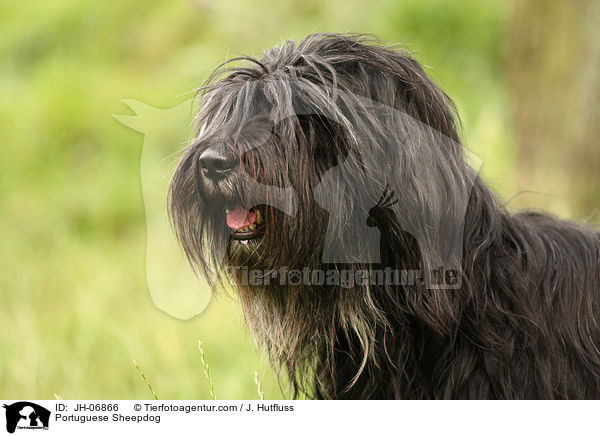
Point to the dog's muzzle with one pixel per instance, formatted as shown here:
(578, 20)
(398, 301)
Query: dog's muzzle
(218, 172)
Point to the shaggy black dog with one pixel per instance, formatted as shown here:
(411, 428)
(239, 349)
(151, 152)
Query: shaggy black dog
(328, 181)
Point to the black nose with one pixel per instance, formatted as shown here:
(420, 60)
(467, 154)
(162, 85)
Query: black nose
(216, 162)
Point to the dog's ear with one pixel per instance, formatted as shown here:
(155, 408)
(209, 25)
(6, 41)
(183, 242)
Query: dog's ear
(433, 186)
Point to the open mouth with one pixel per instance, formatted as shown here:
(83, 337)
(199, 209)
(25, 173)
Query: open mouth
(246, 224)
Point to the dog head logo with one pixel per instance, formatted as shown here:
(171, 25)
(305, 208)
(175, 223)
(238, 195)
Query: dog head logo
(172, 285)
(26, 415)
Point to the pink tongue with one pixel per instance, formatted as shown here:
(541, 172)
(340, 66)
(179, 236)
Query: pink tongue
(240, 217)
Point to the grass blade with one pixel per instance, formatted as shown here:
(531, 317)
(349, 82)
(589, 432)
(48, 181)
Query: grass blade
(145, 379)
(207, 371)
(261, 394)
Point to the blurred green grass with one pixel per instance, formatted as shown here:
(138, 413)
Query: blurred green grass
(75, 306)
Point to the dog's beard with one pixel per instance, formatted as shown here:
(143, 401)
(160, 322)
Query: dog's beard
(300, 328)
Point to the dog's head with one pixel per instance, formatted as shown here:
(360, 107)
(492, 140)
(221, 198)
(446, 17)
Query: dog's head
(314, 154)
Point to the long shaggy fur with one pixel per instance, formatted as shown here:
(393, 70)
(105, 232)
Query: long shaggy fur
(523, 322)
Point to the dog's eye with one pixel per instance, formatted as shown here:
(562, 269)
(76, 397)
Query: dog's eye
(324, 140)
(326, 156)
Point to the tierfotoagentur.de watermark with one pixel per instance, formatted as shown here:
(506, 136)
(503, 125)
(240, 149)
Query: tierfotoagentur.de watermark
(345, 278)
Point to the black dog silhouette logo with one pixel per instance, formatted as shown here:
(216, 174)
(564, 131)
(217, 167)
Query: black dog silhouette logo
(26, 415)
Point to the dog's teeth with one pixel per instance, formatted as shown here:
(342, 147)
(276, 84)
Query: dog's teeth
(259, 219)
(252, 226)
